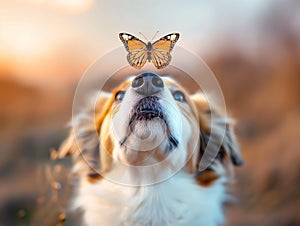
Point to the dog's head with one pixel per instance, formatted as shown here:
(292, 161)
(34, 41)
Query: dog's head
(148, 120)
(151, 120)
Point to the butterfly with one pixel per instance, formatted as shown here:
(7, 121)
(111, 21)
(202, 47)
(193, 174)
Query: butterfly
(158, 52)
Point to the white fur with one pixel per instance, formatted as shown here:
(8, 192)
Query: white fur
(177, 202)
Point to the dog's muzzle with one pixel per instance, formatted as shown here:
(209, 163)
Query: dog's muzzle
(149, 85)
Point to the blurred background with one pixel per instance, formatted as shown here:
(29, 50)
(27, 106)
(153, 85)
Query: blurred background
(252, 46)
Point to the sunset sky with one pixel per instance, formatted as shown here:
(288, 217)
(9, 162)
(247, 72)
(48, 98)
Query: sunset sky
(44, 42)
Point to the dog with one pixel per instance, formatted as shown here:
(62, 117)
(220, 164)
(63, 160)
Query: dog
(137, 154)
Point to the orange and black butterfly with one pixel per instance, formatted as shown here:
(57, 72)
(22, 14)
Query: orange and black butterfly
(158, 52)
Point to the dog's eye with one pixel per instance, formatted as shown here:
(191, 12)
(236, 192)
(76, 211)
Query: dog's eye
(179, 96)
(119, 95)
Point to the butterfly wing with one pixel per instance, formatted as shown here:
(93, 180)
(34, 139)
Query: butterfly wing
(137, 50)
(160, 53)
(160, 59)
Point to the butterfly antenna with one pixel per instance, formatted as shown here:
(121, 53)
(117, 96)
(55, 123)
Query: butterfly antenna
(154, 35)
(144, 36)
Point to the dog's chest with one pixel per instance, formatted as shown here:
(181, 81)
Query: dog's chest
(177, 201)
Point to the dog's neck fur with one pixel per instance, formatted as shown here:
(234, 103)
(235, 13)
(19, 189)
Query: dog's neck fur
(177, 201)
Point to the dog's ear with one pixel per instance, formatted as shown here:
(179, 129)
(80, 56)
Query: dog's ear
(217, 130)
(82, 142)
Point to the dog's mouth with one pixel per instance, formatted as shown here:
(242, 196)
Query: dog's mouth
(148, 109)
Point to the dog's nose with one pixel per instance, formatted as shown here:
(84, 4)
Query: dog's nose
(147, 84)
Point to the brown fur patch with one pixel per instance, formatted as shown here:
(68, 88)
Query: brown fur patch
(94, 177)
(206, 178)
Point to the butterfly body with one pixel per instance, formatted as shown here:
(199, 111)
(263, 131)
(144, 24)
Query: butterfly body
(140, 52)
(149, 49)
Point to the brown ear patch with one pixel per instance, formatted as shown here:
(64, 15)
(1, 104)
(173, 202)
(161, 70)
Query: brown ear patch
(226, 144)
